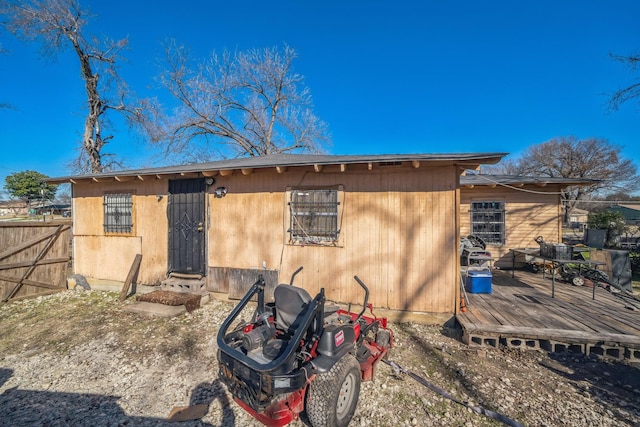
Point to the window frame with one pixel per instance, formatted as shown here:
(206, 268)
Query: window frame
(111, 228)
(298, 234)
(489, 224)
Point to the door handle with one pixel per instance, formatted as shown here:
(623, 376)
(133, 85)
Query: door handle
(200, 227)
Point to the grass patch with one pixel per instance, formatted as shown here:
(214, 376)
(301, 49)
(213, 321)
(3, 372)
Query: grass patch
(71, 319)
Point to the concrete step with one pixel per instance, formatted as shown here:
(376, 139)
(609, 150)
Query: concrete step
(190, 286)
(154, 309)
(147, 308)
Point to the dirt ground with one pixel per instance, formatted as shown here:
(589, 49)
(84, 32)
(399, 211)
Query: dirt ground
(76, 358)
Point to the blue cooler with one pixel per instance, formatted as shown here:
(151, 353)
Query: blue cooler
(478, 281)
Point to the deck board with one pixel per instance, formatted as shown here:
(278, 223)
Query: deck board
(575, 317)
(521, 307)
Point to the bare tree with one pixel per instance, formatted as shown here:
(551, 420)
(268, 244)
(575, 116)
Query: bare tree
(58, 25)
(247, 103)
(3, 104)
(570, 157)
(630, 92)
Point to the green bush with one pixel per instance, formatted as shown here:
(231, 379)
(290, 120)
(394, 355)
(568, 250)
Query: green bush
(611, 221)
(607, 220)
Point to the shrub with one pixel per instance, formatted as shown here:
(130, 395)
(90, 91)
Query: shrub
(613, 222)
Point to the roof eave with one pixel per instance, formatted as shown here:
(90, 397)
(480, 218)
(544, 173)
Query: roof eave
(224, 168)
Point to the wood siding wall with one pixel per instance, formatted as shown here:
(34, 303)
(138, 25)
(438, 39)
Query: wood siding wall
(109, 256)
(528, 215)
(399, 233)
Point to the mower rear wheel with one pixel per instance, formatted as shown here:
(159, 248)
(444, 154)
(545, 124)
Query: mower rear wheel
(333, 396)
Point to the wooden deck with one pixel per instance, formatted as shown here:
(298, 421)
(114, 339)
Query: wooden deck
(521, 313)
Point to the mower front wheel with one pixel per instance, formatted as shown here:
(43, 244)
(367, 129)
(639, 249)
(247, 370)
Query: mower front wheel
(333, 396)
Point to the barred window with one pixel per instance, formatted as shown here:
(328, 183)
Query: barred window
(314, 216)
(118, 213)
(487, 221)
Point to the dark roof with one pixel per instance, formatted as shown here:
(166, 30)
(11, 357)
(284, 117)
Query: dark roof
(468, 160)
(630, 204)
(631, 214)
(470, 180)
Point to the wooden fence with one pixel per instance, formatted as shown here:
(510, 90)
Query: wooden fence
(33, 258)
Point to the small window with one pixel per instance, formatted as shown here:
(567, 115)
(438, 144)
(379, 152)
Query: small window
(118, 213)
(314, 216)
(487, 221)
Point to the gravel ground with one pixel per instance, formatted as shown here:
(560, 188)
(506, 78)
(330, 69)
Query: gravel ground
(76, 359)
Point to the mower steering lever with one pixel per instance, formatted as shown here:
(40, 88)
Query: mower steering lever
(293, 276)
(258, 288)
(366, 297)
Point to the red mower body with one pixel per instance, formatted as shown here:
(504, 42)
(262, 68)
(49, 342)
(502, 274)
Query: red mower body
(285, 359)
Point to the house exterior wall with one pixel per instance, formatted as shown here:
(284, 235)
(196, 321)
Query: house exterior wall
(399, 233)
(108, 256)
(529, 214)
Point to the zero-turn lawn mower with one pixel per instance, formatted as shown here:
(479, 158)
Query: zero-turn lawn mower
(298, 354)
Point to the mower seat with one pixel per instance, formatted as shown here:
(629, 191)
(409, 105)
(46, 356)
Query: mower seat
(291, 302)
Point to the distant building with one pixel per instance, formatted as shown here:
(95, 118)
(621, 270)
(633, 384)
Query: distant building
(631, 213)
(49, 208)
(578, 218)
(13, 207)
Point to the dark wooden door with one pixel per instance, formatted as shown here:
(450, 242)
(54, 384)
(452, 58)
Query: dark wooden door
(187, 226)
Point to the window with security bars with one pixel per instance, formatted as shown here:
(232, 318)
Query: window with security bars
(118, 213)
(314, 216)
(487, 221)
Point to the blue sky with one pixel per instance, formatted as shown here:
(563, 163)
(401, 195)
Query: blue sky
(387, 76)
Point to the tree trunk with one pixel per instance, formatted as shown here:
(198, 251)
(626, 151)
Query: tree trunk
(92, 140)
